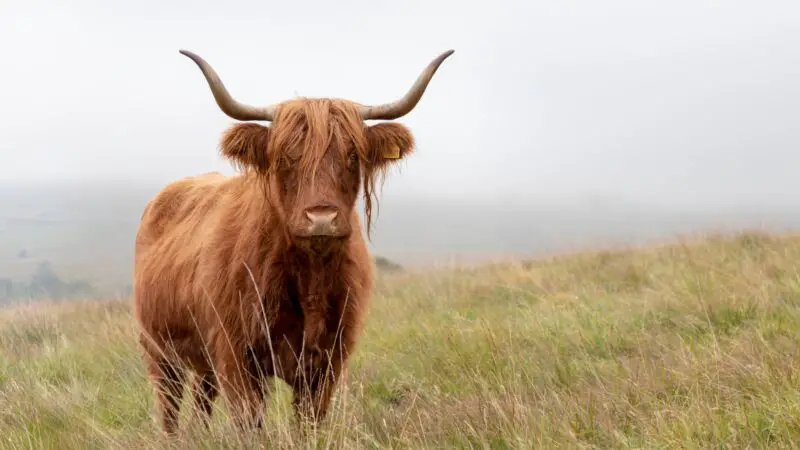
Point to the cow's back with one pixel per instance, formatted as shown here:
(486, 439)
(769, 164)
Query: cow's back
(177, 205)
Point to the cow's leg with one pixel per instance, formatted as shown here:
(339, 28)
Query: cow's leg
(313, 388)
(205, 390)
(167, 379)
(239, 387)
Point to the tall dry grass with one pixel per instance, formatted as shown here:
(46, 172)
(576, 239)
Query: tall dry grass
(689, 345)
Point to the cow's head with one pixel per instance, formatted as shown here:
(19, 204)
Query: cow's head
(318, 153)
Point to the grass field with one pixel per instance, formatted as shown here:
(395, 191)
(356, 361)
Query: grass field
(689, 345)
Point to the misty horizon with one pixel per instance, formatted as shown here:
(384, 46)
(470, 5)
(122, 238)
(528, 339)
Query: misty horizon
(552, 126)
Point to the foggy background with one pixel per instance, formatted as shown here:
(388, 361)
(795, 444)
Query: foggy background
(553, 126)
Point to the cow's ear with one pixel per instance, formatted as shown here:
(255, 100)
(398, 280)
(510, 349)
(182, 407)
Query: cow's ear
(245, 145)
(388, 142)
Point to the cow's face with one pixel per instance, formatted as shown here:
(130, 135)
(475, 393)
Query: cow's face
(318, 153)
(317, 156)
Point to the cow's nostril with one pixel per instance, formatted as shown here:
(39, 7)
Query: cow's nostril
(323, 218)
(320, 220)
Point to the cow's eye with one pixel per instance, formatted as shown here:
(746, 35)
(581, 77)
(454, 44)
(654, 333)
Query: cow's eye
(353, 157)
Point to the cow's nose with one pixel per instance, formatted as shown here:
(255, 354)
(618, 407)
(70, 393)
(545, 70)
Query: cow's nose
(321, 221)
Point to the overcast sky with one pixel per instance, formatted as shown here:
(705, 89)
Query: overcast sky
(671, 101)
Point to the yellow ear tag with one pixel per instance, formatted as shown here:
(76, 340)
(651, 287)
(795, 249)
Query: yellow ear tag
(392, 152)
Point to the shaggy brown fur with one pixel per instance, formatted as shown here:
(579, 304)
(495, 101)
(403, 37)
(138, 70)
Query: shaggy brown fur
(226, 285)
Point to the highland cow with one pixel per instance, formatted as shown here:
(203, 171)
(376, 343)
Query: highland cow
(266, 273)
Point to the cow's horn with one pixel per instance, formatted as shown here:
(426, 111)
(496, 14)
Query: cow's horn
(403, 106)
(227, 104)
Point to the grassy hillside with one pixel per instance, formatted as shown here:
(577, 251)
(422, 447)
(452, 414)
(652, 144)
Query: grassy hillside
(682, 346)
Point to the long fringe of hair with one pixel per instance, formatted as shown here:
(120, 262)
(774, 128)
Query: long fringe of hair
(312, 125)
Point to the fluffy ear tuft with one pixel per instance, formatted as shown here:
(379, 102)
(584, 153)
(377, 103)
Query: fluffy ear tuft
(388, 142)
(245, 145)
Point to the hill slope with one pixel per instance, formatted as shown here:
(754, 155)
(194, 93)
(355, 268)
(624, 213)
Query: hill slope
(679, 346)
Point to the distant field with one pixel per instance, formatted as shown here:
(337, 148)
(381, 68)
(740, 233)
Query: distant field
(682, 346)
(86, 230)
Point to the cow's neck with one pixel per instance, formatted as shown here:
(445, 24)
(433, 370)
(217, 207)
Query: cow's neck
(315, 274)
(319, 287)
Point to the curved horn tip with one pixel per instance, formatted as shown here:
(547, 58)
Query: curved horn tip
(193, 56)
(446, 54)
